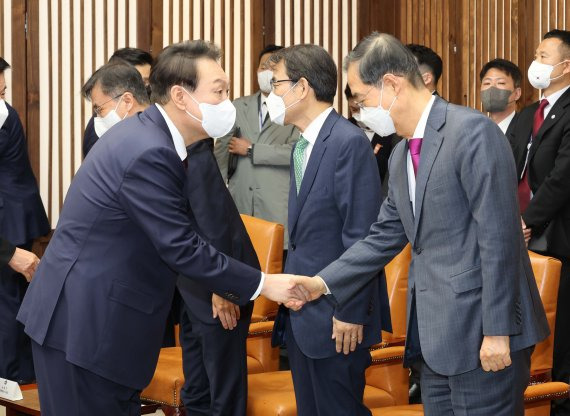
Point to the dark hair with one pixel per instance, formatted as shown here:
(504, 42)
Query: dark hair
(505, 66)
(562, 35)
(176, 65)
(426, 56)
(312, 63)
(115, 79)
(133, 56)
(269, 49)
(348, 92)
(380, 54)
(3, 65)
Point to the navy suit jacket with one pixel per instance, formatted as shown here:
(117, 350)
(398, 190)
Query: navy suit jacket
(22, 214)
(6, 252)
(215, 217)
(89, 136)
(105, 284)
(338, 201)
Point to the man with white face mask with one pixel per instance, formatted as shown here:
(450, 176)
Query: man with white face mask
(254, 157)
(97, 307)
(474, 311)
(22, 219)
(541, 146)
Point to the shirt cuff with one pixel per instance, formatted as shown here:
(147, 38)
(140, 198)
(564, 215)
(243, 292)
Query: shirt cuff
(258, 291)
(327, 290)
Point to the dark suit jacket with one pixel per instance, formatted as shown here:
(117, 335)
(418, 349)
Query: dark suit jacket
(338, 200)
(105, 283)
(6, 252)
(470, 270)
(214, 216)
(512, 125)
(548, 172)
(22, 214)
(89, 137)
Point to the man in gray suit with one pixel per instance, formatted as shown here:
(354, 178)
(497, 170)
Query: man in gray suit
(474, 311)
(254, 158)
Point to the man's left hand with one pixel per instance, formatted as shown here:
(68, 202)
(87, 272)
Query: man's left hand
(239, 146)
(346, 335)
(227, 311)
(495, 353)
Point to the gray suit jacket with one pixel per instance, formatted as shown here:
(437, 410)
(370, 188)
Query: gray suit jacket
(260, 187)
(470, 269)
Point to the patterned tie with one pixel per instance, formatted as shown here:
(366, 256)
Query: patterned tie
(298, 158)
(524, 187)
(415, 146)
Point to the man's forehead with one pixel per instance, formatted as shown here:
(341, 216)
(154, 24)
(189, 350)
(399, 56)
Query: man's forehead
(210, 72)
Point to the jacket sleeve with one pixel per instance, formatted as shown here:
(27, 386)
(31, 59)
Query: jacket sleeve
(275, 154)
(6, 252)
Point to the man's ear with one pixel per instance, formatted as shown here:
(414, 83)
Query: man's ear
(129, 100)
(517, 93)
(392, 82)
(178, 96)
(427, 77)
(302, 88)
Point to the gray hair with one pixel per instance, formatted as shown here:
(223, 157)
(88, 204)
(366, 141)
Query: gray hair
(115, 79)
(380, 54)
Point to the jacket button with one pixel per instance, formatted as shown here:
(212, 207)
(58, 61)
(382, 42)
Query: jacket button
(418, 250)
(250, 188)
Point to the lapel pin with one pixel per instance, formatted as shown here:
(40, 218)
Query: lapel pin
(553, 116)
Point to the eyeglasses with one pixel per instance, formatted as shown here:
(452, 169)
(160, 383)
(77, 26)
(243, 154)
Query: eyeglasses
(359, 103)
(273, 82)
(97, 110)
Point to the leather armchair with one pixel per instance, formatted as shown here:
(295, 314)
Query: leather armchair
(164, 388)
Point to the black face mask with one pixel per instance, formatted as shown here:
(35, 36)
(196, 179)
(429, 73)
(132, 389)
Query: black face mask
(495, 99)
(148, 90)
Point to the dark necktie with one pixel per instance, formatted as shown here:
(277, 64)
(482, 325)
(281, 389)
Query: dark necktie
(524, 187)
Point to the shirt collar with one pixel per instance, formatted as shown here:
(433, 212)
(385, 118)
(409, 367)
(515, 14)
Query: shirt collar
(504, 125)
(421, 126)
(312, 131)
(177, 138)
(552, 98)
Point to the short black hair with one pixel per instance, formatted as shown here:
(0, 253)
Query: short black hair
(562, 35)
(176, 65)
(348, 92)
(312, 63)
(380, 54)
(115, 79)
(427, 56)
(269, 49)
(505, 66)
(3, 65)
(133, 56)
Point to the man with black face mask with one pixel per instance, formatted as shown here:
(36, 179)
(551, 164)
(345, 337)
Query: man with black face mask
(500, 91)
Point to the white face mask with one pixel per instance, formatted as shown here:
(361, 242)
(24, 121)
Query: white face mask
(264, 80)
(102, 124)
(217, 119)
(358, 119)
(276, 106)
(3, 112)
(378, 119)
(539, 74)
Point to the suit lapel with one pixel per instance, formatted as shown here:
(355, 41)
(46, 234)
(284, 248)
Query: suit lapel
(317, 153)
(430, 147)
(550, 120)
(400, 170)
(252, 110)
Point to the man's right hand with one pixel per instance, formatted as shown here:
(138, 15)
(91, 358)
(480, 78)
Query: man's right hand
(526, 232)
(24, 262)
(227, 311)
(280, 288)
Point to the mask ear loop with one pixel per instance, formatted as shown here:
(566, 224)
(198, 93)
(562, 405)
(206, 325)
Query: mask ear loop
(382, 95)
(283, 96)
(186, 111)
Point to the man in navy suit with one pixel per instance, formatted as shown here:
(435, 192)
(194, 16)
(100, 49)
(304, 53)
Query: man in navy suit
(22, 219)
(97, 306)
(335, 196)
(213, 330)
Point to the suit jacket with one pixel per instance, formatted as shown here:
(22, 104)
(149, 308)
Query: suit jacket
(470, 270)
(511, 129)
(6, 252)
(548, 172)
(338, 200)
(259, 187)
(22, 214)
(105, 284)
(89, 136)
(214, 216)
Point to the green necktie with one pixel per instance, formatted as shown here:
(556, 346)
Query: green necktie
(298, 158)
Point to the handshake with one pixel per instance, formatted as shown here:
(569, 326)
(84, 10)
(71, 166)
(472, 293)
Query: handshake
(291, 290)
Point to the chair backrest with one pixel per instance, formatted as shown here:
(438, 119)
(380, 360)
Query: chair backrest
(267, 240)
(547, 274)
(397, 285)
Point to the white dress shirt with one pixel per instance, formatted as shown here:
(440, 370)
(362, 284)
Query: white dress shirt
(504, 125)
(311, 133)
(180, 147)
(552, 98)
(418, 134)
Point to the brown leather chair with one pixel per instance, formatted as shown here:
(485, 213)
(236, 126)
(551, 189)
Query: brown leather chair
(386, 379)
(541, 389)
(164, 388)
